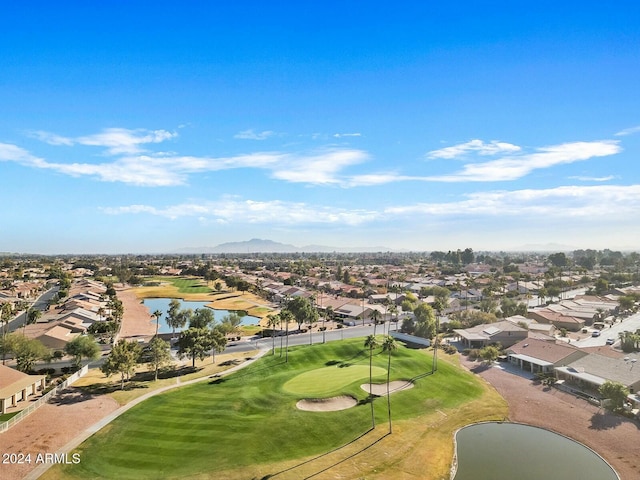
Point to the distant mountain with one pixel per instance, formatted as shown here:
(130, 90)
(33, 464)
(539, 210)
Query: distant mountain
(258, 245)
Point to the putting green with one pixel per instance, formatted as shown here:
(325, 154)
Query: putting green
(329, 380)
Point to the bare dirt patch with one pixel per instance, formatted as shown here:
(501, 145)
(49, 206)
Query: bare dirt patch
(380, 389)
(332, 404)
(614, 437)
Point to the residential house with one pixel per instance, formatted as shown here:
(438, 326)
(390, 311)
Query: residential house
(535, 355)
(591, 371)
(17, 387)
(503, 332)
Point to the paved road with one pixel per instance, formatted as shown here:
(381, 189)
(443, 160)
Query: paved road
(631, 324)
(41, 304)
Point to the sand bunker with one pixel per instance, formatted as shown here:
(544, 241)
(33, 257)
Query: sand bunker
(332, 404)
(380, 389)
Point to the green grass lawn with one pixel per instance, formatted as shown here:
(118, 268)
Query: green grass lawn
(249, 418)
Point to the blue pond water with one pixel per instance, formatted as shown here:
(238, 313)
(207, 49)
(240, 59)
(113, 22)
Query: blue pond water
(162, 304)
(507, 451)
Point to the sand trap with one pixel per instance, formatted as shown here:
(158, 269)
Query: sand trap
(380, 389)
(332, 404)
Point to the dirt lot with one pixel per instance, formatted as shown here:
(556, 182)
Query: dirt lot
(615, 438)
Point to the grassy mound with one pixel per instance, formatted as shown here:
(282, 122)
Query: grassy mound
(246, 425)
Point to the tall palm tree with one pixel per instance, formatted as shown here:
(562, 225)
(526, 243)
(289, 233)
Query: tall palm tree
(286, 316)
(389, 345)
(370, 342)
(273, 322)
(375, 316)
(328, 314)
(158, 315)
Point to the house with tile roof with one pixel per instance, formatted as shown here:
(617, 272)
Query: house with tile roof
(503, 332)
(17, 387)
(539, 356)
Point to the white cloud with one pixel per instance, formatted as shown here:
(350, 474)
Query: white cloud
(321, 168)
(606, 178)
(600, 201)
(628, 131)
(124, 141)
(251, 135)
(118, 141)
(515, 167)
(341, 135)
(476, 146)
(586, 203)
(51, 138)
(274, 212)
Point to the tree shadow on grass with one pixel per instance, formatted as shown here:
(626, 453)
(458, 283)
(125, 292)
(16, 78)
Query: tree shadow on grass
(337, 449)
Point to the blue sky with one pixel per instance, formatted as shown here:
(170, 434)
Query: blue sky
(143, 127)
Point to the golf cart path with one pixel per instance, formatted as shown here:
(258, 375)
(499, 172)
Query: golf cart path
(42, 468)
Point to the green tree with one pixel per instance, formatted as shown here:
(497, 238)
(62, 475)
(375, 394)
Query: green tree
(230, 324)
(371, 343)
(174, 319)
(615, 392)
(122, 359)
(6, 314)
(301, 309)
(559, 259)
(25, 350)
(425, 321)
(33, 315)
(83, 346)
(158, 354)
(217, 341)
(202, 318)
(194, 342)
(389, 345)
(489, 354)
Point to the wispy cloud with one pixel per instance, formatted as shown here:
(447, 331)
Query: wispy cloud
(320, 168)
(628, 131)
(593, 179)
(599, 201)
(117, 141)
(515, 167)
(473, 146)
(570, 202)
(342, 135)
(251, 135)
(275, 212)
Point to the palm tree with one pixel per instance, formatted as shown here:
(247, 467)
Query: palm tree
(393, 310)
(273, 322)
(389, 345)
(158, 315)
(375, 316)
(286, 316)
(328, 313)
(370, 342)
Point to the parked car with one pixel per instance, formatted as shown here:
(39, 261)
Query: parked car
(596, 333)
(611, 341)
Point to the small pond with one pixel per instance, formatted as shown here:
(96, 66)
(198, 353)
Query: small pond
(505, 451)
(162, 304)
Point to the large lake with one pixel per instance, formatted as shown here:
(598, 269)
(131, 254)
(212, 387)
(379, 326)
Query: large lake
(162, 304)
(507, 451)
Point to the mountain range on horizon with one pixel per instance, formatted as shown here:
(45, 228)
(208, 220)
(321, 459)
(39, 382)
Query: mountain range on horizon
(258, 245)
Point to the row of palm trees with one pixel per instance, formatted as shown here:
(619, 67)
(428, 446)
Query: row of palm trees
(389, 345)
